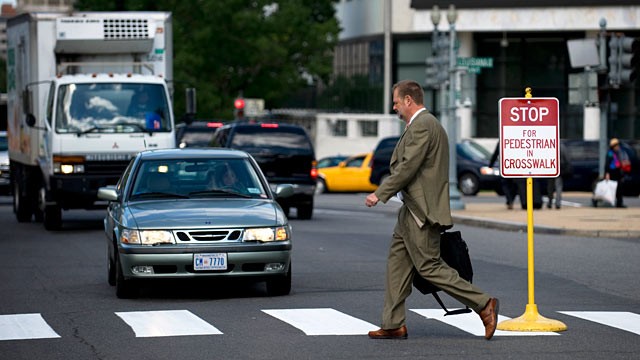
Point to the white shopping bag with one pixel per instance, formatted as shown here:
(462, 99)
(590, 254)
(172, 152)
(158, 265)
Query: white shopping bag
(606, 191)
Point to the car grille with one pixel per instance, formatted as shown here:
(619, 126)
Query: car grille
(209, 235)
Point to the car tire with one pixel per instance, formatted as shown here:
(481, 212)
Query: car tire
(305, 211)
(125, 289)
(469, 184)
(281, 285)
(321, 186)
(111, 270)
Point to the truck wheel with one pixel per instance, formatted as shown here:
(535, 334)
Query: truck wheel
(21, 204)
(52, 217)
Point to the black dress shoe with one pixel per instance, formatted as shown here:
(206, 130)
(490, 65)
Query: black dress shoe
(399, 333)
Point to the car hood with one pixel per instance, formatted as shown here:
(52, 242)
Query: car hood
(204, 213)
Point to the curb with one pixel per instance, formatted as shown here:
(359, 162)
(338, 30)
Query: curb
(541, 229)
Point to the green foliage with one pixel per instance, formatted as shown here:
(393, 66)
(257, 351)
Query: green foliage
(227, 47)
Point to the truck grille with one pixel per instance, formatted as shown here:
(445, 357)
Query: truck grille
(125, 29)
(113, 168)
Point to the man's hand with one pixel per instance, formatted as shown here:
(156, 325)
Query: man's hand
(371, 200)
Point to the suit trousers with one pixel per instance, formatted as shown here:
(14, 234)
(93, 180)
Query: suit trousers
(412, 246)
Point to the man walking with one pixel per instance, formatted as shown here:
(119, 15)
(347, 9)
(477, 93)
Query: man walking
(419, 176)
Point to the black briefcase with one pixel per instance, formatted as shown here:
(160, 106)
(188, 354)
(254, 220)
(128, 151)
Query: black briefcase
(454, 251)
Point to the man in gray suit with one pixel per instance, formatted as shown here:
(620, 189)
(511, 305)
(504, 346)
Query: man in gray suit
(419, 176)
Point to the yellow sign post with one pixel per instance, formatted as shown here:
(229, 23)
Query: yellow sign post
(531, 320)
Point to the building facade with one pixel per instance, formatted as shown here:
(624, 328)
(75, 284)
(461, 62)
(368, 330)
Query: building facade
(527, 45)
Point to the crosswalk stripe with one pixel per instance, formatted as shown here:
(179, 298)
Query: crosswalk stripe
(25, 326)
(622, 320)
(472, 324)
(325, 321)
(166, 323)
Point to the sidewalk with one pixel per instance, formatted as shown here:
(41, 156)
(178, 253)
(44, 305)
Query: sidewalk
(568, 220)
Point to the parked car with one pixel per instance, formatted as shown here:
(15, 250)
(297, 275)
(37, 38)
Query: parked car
(5, 176)
(331, 161)
(166, 220)
(285, 155)
(584, 156)
(350, 175)
(472, 162)
(196, 134)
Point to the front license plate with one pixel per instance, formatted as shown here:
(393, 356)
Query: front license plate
(216, 261)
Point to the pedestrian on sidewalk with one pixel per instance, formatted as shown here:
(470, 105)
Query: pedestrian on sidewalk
(420, 178)
(556, 184)
(509, 186)
(616, 165)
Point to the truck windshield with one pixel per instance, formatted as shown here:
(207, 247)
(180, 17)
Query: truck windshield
(112, 108)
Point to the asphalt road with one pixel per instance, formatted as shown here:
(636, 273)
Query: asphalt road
(55, 283)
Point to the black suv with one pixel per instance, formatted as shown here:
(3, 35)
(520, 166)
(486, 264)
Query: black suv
(197, 133)
(285, 155)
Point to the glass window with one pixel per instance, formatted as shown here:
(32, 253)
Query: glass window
(368, 128)
(339, 128)
(112, 108)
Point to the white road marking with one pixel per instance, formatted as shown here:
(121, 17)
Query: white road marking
(622, 320)
(472, 324)
(167, 323)
(25, 326)
(322, 321)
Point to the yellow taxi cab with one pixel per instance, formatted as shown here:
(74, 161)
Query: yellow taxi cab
(351, 175)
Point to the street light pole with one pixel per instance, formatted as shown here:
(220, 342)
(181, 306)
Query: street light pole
(455, 198)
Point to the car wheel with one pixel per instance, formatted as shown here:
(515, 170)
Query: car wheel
(305, 211)
(125, 289)
(321, 186)
(281, 285)
(111, 270)
(469, 184)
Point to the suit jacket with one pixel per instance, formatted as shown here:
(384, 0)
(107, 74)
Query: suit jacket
(419, 169)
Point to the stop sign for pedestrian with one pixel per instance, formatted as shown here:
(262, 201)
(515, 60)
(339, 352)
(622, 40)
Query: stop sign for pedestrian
(529, 141)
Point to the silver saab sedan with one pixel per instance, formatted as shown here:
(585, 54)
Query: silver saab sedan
(189, 213)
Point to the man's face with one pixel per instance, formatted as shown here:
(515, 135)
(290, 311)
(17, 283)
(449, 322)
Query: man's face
(399, 105)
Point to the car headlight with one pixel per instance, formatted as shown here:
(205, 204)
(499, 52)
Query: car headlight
(485, 170)
(266, 234)
(146, 237)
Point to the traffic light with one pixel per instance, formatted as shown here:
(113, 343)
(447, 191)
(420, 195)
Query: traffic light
(238, 111)
(624, 55)
(437, 71)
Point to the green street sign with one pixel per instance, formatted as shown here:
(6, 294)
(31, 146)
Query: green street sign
(478, 62)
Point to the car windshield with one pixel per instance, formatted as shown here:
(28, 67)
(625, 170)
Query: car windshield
(112, 108)
(475, 151)
(196, 178)
(3, 143)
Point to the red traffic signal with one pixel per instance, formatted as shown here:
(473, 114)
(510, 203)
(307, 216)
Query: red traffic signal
(239, 103)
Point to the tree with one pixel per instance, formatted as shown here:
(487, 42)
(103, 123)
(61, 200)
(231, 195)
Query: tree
(260, 48)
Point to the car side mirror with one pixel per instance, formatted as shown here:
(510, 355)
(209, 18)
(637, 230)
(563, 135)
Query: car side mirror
(108, 193)
(284, 191)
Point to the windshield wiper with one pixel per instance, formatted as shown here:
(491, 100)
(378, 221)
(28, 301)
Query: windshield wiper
(216, 192)
(91, 129)
(159, 194)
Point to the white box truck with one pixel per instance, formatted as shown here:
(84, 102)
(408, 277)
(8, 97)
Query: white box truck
(85, 92)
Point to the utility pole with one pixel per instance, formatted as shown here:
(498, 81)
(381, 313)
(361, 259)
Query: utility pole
(455, 198)
(386, 105)
(604, 102)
